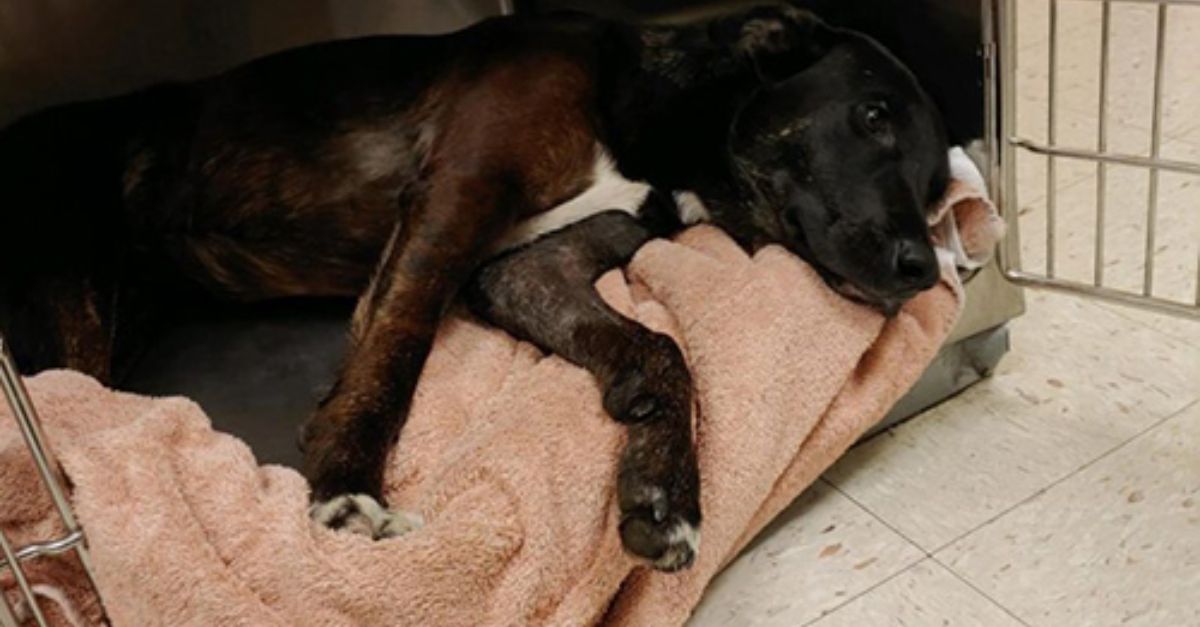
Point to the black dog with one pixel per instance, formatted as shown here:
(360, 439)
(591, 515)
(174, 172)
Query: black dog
(405, 170)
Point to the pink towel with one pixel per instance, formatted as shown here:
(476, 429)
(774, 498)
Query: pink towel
(507, 455)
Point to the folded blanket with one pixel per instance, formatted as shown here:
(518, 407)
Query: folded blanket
(507, 455)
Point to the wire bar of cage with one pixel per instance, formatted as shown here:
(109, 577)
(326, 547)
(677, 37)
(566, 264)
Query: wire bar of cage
(1003, 144)
(47, 467)
(1182, 167)
(1000, 37)
(8, 618)
(989, 56)
(1102, 144)
(52, 547)
(1137, 301)
(1160, 39)
(1051, 135)
(22, 580)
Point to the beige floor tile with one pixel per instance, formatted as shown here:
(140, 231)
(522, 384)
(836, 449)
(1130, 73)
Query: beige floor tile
(1119, 543)
(820, 552)
(1183, 329)
(925, 594)
(1182, 88)
(1079, 381)
(1032, 19)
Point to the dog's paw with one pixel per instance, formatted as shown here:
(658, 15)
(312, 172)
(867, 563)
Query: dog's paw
(362, 514)
(653, 382)
(668, 542)
(659, 524)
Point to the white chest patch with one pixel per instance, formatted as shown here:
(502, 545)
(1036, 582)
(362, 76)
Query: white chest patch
(608, 191)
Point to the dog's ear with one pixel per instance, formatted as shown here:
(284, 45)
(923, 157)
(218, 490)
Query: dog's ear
(776, 40)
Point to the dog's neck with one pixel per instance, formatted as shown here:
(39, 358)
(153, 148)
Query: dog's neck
(668, 104)
(668, 97)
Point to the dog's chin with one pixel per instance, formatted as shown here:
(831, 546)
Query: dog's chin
(887, 305)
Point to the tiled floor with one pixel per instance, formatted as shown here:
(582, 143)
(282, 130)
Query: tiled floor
(1065, 490)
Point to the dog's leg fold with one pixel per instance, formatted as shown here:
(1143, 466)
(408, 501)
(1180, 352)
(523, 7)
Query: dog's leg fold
(431, 253)
(544, 293)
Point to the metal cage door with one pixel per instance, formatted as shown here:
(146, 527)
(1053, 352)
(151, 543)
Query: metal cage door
(73, 540)
(1109, 267)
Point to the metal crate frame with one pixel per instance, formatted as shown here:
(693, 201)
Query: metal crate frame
(48, 471)
(999, 60)
(1000, 67)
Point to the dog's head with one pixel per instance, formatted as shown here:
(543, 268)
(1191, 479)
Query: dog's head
(837, 155)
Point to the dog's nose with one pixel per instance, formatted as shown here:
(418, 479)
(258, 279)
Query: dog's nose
(915, 265)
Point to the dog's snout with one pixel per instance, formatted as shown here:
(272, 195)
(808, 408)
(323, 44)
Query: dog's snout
(915, 265)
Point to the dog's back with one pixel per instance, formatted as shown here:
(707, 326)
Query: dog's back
(282, 177)
(60, 174)
(81, 183)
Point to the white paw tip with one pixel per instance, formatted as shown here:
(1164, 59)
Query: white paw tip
(362, 514)
(683, 542)
(685, 533)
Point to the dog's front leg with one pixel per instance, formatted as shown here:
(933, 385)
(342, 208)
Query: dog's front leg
(429, 256)
(544, 293)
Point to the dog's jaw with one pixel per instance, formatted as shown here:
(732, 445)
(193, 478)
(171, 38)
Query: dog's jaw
(887, 305)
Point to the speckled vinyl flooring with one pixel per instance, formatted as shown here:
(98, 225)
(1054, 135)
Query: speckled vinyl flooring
(1065, 490)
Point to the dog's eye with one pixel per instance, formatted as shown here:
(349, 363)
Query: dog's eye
(875, 117)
